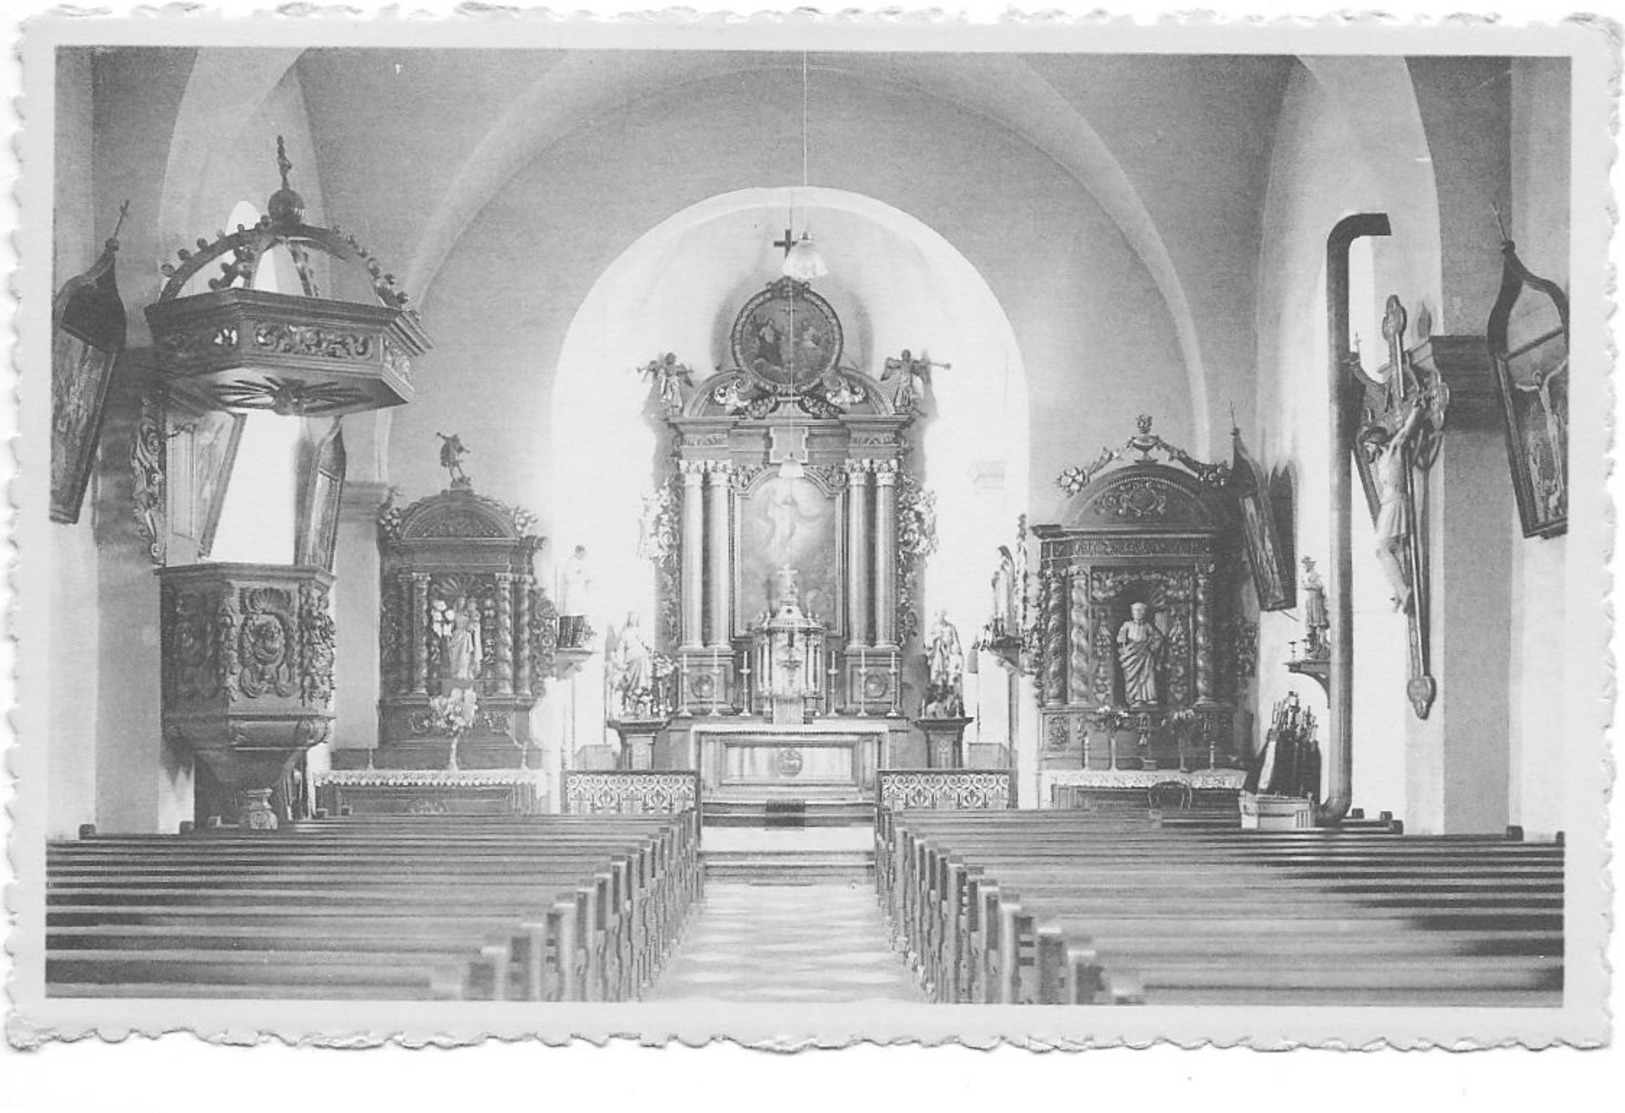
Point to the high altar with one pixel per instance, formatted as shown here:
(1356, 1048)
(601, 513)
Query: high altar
(785, 599)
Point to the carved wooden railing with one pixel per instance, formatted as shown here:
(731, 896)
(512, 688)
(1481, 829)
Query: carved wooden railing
(979, 789)
(630, 791)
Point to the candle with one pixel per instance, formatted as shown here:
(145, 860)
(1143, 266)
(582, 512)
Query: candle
(863, 667)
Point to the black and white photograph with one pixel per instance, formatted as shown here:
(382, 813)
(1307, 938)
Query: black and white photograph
(689, 530)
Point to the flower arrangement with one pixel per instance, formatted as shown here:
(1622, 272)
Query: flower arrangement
(441, 617)
(454, 714)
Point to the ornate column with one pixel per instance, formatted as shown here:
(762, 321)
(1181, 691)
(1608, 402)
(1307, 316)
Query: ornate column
(521, 668)
(1053, 691)
(419, 625)
(504, 647)
(1205, 691)
(405, 662)
(693, 472)
(886, 554)
(718, 476)
(857, 552)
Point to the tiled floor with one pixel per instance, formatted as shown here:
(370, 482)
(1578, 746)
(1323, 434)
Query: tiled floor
(777, 943)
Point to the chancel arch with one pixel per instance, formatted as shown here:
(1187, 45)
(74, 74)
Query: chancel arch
(896, 285)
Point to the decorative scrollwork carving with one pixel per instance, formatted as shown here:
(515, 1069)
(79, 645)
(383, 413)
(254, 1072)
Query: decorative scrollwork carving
(542, 632)
(916, 540)
(1139, 499)
(310, 340)
(147, 469)
(463, 525)
(316, 638)
(1074, 479)
(959, 789)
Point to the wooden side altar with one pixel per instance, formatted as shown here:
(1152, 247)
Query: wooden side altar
(1137, 596)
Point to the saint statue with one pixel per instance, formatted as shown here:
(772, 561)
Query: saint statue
(630, 662)
(1316, 645)
(1005, 622)
(462, 645)
(452, 452)
(945, 660)
(1390, 467)
(1140, 648)
(575, 600)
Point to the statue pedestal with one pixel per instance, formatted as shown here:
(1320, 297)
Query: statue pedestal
(944, 742)
(637, 741)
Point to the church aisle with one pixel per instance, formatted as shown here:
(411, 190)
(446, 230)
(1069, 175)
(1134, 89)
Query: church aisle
(777, 943)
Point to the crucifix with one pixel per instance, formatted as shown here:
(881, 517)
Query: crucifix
(787, 243)
(1396, 447)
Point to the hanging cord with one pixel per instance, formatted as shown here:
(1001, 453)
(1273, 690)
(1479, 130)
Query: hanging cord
(804, 119)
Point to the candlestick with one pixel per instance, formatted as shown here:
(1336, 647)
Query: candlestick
(863, 672)
(716, 677)
(896, 695)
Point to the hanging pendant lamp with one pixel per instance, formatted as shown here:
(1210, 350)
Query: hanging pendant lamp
(802, 260)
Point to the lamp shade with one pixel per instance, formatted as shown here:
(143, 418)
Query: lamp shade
(803, 262)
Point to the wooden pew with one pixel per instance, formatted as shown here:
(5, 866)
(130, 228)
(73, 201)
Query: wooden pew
(1111, 909)
(535, 908)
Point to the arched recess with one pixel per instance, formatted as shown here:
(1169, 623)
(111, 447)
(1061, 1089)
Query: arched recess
(895, 283)
(1001, 89)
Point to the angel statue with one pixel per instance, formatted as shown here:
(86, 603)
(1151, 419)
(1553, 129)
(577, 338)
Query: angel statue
(913, 377)
(668, 377)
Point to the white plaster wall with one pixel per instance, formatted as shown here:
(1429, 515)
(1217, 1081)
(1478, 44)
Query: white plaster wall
(1323, 168)
(1075, 296)
(1540, 227)
(70, 551)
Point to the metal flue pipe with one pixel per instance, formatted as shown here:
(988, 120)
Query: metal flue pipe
(1340, 743)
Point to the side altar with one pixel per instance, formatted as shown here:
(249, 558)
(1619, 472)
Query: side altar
(467, 640)
(1138, 617)
(788, 542)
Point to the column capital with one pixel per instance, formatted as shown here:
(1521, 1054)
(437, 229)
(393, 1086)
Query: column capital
(857, 470)
(886, 472)
(718, 471)
(692, 471)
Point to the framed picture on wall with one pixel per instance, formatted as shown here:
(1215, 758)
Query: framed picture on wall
(1270, 563)
(1529, 344)
(87, 335)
